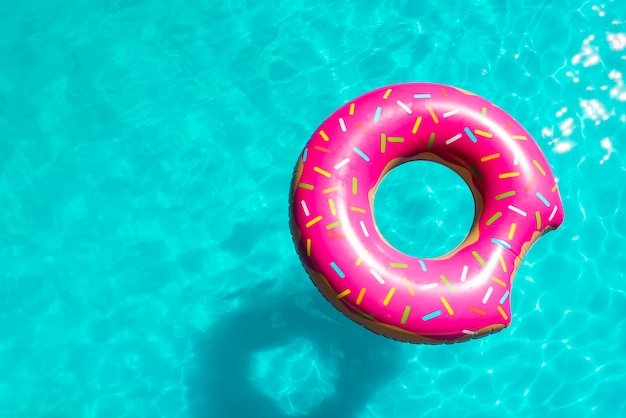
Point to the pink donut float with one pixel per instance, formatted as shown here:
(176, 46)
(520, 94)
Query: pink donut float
(458, 296)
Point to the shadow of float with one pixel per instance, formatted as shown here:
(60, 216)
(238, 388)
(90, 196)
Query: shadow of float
(289, 356)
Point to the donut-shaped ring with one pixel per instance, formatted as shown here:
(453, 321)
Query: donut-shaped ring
(455, 297)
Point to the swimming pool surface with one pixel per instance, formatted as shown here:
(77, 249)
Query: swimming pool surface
(146, 152)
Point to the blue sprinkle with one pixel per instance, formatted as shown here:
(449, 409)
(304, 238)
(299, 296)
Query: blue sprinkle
(361, 154)
(304, 154)
(337, 269)
(543, 199)
(471, 135)
(506, 294)
(423, 265)
(377, 115)
(500, 242)
(422, 96)
(431, 315)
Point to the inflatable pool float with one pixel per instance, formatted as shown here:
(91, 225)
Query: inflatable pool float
(461, 295)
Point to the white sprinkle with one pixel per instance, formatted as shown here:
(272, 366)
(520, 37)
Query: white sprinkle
(468, 332)
(454, 138)
(429, 286)
(515, 159)
(517, 210)
(364, 229)
(377, 276)
(464, 274)
(451, 113)
(487, 295)
(305, 208)
(342, 163)
(405, 107)
(552, 214)
(342, 124)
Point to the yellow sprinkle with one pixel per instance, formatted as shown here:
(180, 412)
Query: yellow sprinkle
(483, 133)
(554, 188)
(502, 263)
(389, 296)
(331, 205)
(359, 261)
(520, 137)
(308, 247)
(500, 282)
(504, 315)
(387, 93)
(512, 230)
(432, 114)
(490, 157)
(321, 171)
(447, 305)
(314, 221)
(352, 108)
(343, 294)
(408, 285)
(507, 175)
(360, 297)
(418, 121)
(539, 167)
(354, 208)
(324, 136)
(331, 189)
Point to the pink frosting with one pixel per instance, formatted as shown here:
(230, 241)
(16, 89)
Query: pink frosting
(460, 295)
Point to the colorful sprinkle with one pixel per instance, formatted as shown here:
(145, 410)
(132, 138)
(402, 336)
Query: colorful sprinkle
(351, 108)
(445, 93)
(464, 274)
(383, 143)
(341, 163)
(477, 310)
(322, 172)
(470, 134)
(508, 175)
(429, 286)
(490, 157)
(324, 136)
(552, 214)
(408, 285)
(405, 315)
(504, 315)
(431, 140)
(483, 133)
(517, 210)
(519, 137)
(554, 188)
(450, 113)
(500, 282)
(389, 296)
(404, 107)
(387, 93)
(446, 305)
(454, 138)
(484, 112)
(431, 315)
(422, 265)
(512, 231)
(467, 331)
(539, 167)
(313, 221)
(432, 115)
(421, 96)
(377, 276)
(493, 218)
(335, 235)
(487, 295)
(354, 185)
(331, 189)
(304, 154)
(342, 123)
(502, 263)
(395, 139)
(503, 298)
(360, 297)
(337, 270)
(506, 194)
(364, 229)
(333, 225)
(324, 150)
(308, 247)
(479, 258)
(399, 265)
(377, 115)
(361, 154)
(445, 281)
(538, 218)
(360, 126)
(355, 209)
(543, 199)
(305, 208)
(416, 126)
(501, 243)
(476, 172)
(305, 186)
(343, 294)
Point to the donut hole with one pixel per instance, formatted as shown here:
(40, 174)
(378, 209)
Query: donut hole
(423, 209)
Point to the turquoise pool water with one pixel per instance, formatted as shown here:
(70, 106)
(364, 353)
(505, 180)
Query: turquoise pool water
(146, 149)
